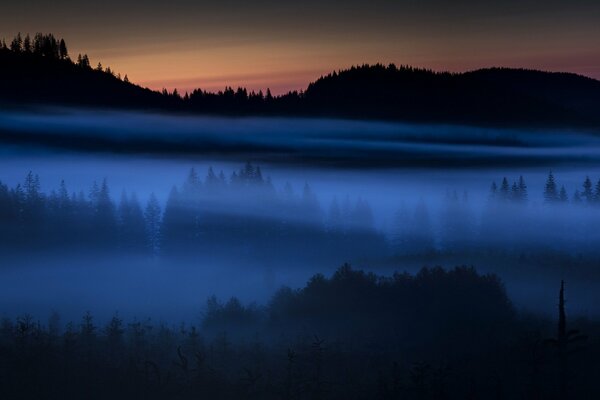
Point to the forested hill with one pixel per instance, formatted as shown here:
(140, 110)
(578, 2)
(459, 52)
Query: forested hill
(497, 96)
(52, 79)
(40, 71)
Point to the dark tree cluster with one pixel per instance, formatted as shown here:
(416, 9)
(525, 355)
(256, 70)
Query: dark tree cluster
(243, 215)
(45, 45)
(75, 221)
(246, 215)
(353, 304)
(434, 335)
(512, 226)
(588, 194)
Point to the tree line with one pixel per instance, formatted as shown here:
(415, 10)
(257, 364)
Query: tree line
(245, 214)
(242, 213)
(45, 45)
(588, 193)
(50, 47)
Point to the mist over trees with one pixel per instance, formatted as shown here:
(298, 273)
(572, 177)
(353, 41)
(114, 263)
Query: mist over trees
(215, 216)
(242, 215)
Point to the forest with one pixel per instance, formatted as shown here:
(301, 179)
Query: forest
(245, 214)
(354, 335)
(486, 97)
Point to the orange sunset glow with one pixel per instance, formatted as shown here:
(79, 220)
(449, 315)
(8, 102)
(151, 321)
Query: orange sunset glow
(283, 46)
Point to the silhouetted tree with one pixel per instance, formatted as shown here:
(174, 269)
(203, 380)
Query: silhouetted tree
(493, 191)
(550, 191)
(62, 50)
(563, 197)
(152, 215)
(564, 338)
(132, 225)
(27, 46)
(17, 43)
(504, 193)
(587, 193)
(523, 195)
(597, 192)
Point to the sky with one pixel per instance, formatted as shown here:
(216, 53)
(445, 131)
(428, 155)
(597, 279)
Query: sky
(283, 45)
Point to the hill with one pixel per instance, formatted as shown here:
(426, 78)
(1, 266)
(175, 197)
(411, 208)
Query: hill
(495, 96)
(29, 79)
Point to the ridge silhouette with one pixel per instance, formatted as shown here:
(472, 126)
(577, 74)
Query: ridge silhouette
(40, 71)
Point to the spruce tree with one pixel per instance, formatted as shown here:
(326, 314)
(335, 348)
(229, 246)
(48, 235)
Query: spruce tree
(550, 192)
(597, 192)
(493, 191)
(504, 189)
(17, 43)
(515, 195)
(27, 44)
(587, 193)
(563, 197)
(523, 196)
(152, 216)
(62, 50)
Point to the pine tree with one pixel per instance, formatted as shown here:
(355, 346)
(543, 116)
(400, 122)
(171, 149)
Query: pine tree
(64, 202)
(211, 179)
(32, 187)
(597, 192)
(170, 222)
(17, 43)
(152, 215)
(192, 185)
(104, 215)
(523, 196)
(493, 191)
(504, 190)
(550, 192)
(587, 193)
(565, 338)
(132, 224)
(85, 61)
(563, 197)
(63, 54)
(27, 44)
(515, 195)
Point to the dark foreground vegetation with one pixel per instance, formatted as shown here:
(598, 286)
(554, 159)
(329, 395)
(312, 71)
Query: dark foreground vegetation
(40, 70)
(435, 335)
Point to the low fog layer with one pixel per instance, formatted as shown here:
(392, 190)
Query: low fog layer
(288, 140)
(241, 233)
(151, 214)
